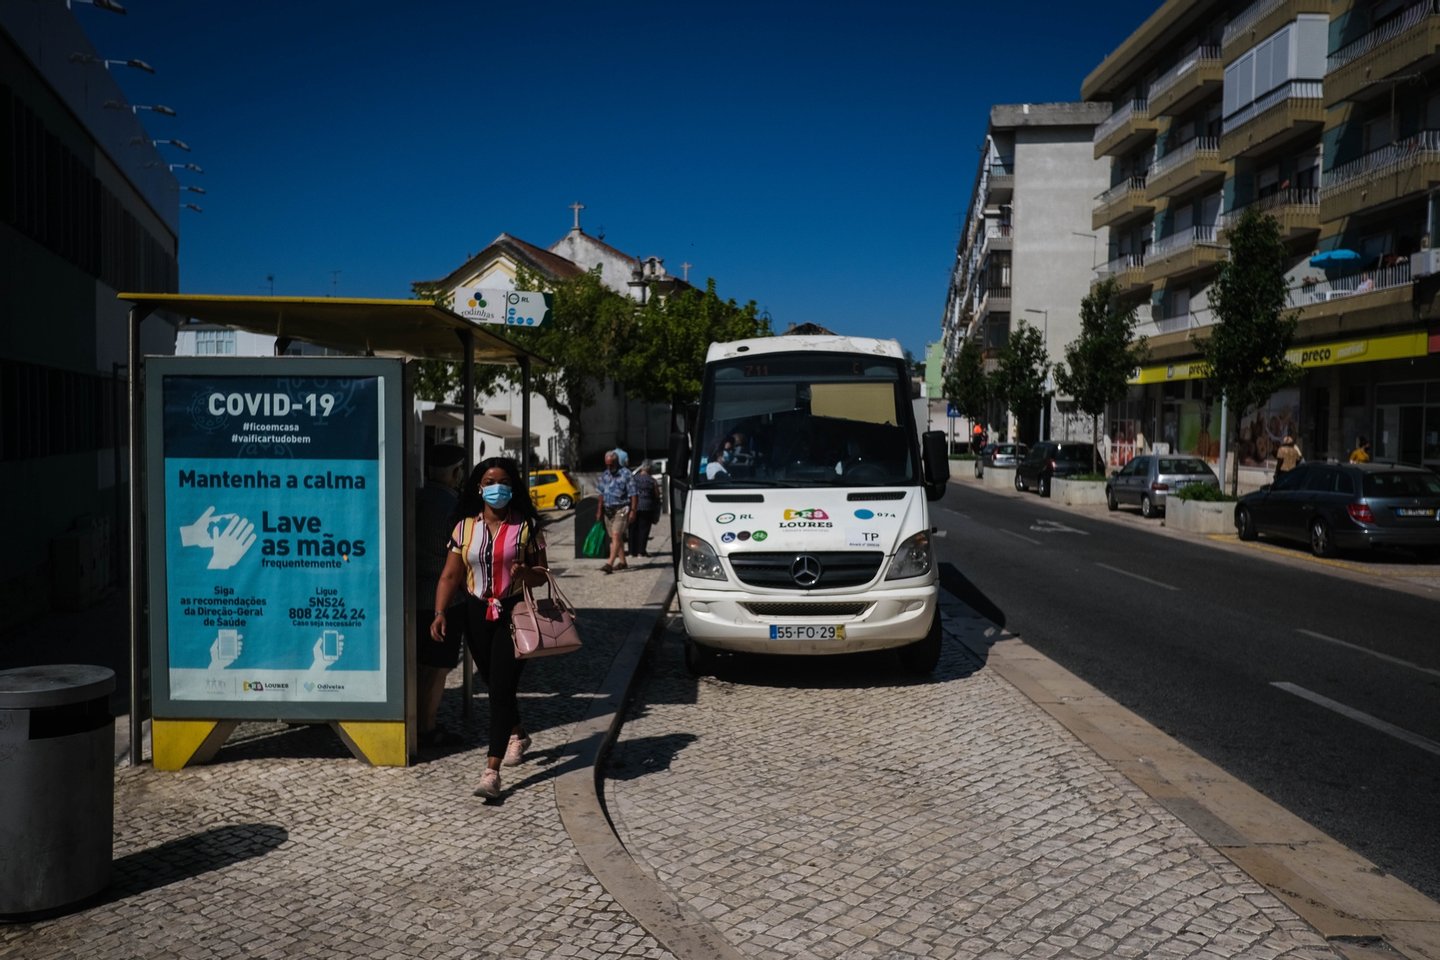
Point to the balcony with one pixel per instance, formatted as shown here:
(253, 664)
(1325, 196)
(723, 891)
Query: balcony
(993, 300)
(1128, 270)
(1122, 202)
(1372, 298)
(1393, 47)
(1124, 129)
(998, 236)
(1197, 76)
(1181, 254)
(1186, 168)
(1000, 180)
(1262, 19)
(1287, 112)
(1297, 210)
(1402, 170)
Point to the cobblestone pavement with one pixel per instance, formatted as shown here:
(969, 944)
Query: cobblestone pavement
(286, 846)
(836, 808)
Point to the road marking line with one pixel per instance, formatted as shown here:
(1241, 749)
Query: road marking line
(1021, 536)
(1055, 526)
(1374, 653)
(1137, 576)
(1399, 733)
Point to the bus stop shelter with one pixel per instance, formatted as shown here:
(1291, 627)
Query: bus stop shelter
(405, 329)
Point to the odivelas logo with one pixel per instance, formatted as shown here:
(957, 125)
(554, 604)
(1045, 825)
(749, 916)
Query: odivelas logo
(812, 519)
(256, 686)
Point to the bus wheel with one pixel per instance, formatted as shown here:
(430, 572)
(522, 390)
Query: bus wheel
(921, 656)
(699, 660)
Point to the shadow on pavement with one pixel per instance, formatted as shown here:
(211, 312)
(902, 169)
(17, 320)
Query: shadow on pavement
(191, 856)
(646, 755)
(952, 580)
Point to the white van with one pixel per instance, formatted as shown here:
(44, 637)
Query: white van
(801, 523)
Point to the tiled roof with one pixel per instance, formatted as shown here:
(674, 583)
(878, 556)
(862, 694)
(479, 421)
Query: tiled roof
(542, 261)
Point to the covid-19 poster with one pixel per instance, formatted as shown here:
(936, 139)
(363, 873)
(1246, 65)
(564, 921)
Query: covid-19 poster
(274, 499)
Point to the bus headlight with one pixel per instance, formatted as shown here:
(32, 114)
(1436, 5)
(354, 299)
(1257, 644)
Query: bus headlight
(912, 559)
(699, 559)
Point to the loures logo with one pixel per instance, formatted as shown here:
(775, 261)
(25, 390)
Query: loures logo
(810, 519)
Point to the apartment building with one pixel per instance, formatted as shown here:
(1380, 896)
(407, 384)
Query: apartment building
(1026, 252)
(88, 207)
(1320, 113)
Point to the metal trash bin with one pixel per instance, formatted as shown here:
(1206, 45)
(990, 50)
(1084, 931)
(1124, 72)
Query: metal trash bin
(57, 786)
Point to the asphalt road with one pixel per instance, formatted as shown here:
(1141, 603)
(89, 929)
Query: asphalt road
(1320, 691)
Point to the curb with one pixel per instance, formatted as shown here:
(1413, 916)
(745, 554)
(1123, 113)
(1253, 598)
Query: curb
(579, 794)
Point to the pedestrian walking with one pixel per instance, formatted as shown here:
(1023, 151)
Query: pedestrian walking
(1361, 453)
(617, 507)
(494, 549)
(1287, 456)
(647, 506)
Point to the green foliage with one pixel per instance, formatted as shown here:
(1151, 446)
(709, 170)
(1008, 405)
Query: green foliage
(1019, 379)
(1098, 365)
(966, 385)
(1204, 492)
(664, 358)
(1244, 350)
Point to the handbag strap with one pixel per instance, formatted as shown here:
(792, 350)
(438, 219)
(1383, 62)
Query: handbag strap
(555, 592)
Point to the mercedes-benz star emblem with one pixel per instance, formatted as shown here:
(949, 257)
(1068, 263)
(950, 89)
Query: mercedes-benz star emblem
(805, 571)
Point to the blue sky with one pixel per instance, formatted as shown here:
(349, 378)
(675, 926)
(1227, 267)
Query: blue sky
(814, 157)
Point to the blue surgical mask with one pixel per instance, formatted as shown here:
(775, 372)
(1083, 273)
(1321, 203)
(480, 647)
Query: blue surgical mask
(497, 494)
(727, 456)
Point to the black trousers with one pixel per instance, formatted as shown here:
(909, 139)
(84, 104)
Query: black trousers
(494, 655)
(640, 534)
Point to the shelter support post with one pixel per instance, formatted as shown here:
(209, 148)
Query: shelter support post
(137, 584)
(467, 401)
(176, 744)
(380, 743)
(525, 465)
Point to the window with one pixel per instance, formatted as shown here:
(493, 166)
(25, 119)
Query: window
(215, 343)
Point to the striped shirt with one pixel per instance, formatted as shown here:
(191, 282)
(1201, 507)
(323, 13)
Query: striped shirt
(488, 559)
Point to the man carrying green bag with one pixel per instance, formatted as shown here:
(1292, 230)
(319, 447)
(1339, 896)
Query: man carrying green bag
(594, 546)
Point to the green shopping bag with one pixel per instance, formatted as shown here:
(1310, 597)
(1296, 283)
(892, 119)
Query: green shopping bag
(595, 541)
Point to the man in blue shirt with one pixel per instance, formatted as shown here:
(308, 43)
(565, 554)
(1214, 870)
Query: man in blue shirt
(618, 507)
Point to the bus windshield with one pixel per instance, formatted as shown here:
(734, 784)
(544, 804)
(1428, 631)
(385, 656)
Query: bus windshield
(806, 419)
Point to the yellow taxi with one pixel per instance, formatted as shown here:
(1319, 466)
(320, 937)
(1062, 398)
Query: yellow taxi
(553, 490)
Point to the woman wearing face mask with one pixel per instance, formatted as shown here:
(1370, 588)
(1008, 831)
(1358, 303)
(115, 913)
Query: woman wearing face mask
(493, 548)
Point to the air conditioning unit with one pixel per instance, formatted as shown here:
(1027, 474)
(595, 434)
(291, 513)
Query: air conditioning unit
(1424, 263)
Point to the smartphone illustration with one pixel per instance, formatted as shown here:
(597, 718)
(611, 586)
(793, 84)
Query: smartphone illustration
(229, 644)
(330, 644)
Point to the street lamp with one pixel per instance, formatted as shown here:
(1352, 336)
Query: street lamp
(191, 206)
(1046, 334)
(91, 58)
(137, 107)
(183, 188)
(177, 144)
(1094, 247)
(192, 167)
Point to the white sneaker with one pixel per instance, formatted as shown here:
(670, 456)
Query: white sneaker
(489, 784)
(515, 751)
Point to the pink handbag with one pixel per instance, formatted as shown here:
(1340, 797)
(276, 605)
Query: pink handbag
(543, 626)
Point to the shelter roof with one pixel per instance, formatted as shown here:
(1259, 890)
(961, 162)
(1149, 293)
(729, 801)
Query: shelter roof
(416, 329)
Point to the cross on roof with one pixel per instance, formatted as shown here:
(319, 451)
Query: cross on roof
(577, 206)
(686, 267)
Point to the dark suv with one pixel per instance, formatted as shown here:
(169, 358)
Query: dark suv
(1054, 458)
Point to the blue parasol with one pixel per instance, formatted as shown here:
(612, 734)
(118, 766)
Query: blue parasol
(1331, 258)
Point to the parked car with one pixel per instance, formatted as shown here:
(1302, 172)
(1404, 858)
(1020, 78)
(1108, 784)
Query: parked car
(1054, 458)
(1342, 506)
(999, 455)
(553, 489)
(1148, 480)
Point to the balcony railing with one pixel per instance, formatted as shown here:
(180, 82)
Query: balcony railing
(1355, 284)
(1422, 145)
(996, 231)
(1002, 167)
(1197, 235)
(1294, 90)
(1408, 20)
(1192, 60)
(1128, 261)
(1120, 117)
(1174, 158)
(1289, 197)
(1176, 324)
(1120, 189)
(1252, 15)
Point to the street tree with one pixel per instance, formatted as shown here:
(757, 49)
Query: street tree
(1018, 380)
(1243, 352)
(966, 387)
(665, 356)
(1100, 362)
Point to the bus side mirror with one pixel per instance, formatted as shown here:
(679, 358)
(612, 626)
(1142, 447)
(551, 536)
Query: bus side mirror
(935, 461)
